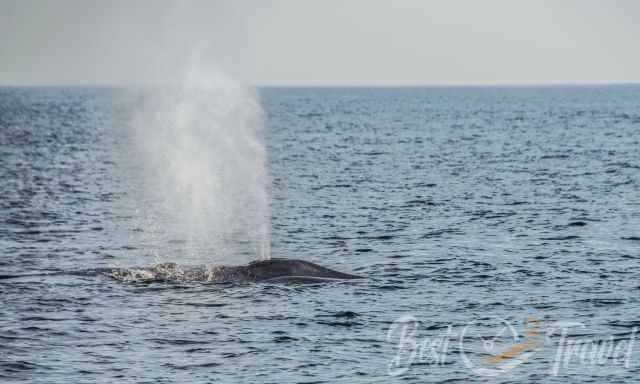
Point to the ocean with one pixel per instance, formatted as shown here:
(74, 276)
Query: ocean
(497, 231)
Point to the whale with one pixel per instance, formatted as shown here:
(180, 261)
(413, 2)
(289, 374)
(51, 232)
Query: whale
(273, 270)
(270, 270)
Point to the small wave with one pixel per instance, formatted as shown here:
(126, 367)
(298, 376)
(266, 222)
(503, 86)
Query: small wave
(19, 366)
(381, 237)
(441, 232)
(342, 314)
(206, 305)
(339, 323)
(601, 302)
(284, 339)
(561, 238)
(179, 341)
(191, 366)
(417, 202)
(625, 324)
(559, 156)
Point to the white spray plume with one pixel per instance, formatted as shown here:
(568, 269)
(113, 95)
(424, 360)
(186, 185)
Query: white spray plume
(201, 147)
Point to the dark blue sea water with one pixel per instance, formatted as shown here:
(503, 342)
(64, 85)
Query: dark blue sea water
(498, 229)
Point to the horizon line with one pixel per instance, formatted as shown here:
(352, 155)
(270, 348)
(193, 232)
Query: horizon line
(391, 85)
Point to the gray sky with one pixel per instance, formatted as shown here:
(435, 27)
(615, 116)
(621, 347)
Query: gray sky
(323, 42)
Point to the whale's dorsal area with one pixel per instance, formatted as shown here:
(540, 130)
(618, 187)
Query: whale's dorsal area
(272, 270)
(277, 268)
(289, 271)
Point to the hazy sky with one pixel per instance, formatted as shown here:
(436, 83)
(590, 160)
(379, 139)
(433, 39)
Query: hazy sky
(323, 42)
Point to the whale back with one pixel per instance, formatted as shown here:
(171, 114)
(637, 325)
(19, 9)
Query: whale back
(275, 268)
